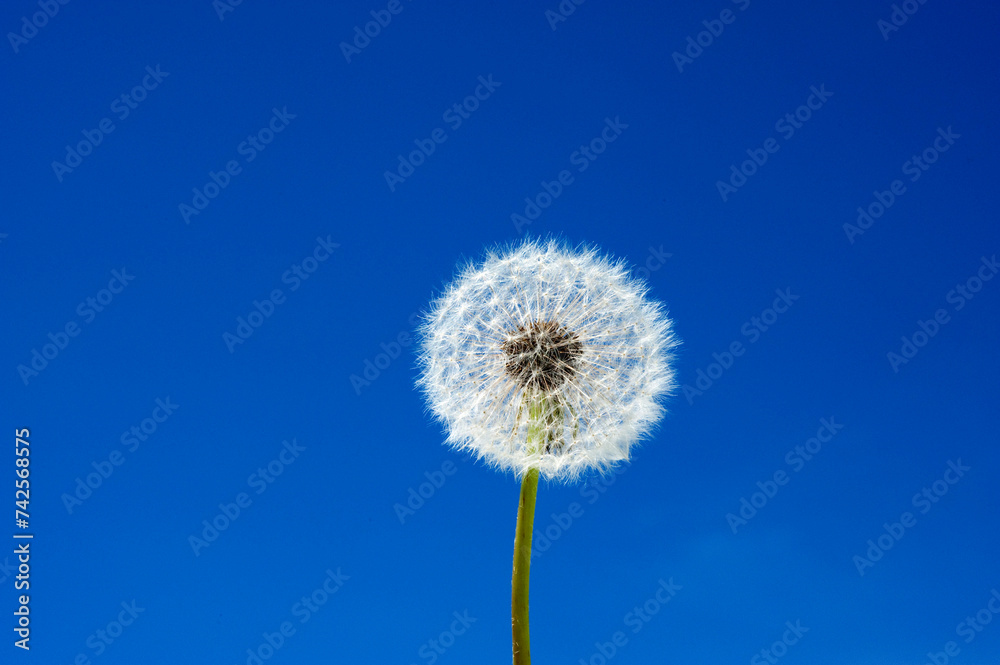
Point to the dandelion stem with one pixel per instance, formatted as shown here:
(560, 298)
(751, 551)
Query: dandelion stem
(539, 413)
(522, 563)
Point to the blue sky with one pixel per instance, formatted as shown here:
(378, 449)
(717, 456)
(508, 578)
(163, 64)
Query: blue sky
(218, 214)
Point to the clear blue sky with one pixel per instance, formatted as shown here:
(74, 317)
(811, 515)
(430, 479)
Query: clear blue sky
(216, 215)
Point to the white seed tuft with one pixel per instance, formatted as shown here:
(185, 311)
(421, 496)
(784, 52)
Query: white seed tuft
(568, 333)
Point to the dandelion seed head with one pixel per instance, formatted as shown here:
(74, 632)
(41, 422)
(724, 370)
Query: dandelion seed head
(541, 355)
(566, 336)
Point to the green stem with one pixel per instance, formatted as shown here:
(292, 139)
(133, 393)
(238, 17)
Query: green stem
(522, 565)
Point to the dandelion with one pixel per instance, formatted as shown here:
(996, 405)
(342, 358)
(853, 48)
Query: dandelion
(545, 360)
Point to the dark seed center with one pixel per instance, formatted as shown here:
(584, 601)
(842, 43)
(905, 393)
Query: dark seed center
(542, 354)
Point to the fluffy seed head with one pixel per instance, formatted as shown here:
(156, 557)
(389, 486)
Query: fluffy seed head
(546, 357)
